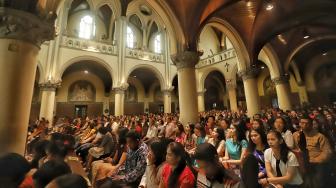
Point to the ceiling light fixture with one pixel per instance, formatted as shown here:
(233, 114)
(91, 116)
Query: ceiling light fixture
(262, 67)
(248, 3)
(134, 76)
(86, 72)
(325, 53)
(305, 33)
(306, 36)
(269, 6)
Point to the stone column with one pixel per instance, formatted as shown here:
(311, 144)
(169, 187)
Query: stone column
(48, 100)
(283, 92)
(200, 101)
(251, 90)
(303, 95)
(119, 100)
(232, 91)
(167, 100)
(144, 38)
(185, 63)
(21, 34)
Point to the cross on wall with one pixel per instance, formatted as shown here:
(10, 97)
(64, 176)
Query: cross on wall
(227, 67)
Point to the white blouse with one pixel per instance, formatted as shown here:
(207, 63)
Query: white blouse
(291, 162)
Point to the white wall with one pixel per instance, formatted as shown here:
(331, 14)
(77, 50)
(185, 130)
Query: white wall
(208, 41)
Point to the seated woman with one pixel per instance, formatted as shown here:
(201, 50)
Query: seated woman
(218, 140)
(155, 161)
(257, 146)
(199, 137)
(105, 148)
(281, 164)
(212, 173)
(236, 147)
(177, 173)
(180, 133)
(188, 141)
(282, 127)
(101, 168)
(83, 149)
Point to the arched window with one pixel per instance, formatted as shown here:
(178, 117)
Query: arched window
(130, 38)
(157, 44)
(86, 27)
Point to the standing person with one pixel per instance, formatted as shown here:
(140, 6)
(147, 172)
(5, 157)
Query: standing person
(177, 173)
(281, 164)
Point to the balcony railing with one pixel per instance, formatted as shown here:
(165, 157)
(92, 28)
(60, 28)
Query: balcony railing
(89, 45)
(217, 58)
(144, 55)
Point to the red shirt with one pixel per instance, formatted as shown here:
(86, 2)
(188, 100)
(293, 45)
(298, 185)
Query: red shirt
(186, 179)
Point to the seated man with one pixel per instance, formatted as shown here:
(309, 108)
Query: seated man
(135, 165)
(318, 150)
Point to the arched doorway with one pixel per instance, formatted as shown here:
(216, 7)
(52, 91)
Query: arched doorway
(144, 93)
(85, 90)
(215, 94)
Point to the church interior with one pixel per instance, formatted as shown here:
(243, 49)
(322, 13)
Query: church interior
(79, 64)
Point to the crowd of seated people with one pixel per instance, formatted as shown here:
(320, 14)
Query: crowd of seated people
(279, 149)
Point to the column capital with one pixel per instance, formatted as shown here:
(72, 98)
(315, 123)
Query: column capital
(201, 92)
(248, 73)
(168, 91)
(121, 89)
(283, 79)
(21, 25)
(231, 85)
(300, 83)
(50, 85)
(185, 59)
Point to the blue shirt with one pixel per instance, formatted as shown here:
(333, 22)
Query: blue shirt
(235, 148)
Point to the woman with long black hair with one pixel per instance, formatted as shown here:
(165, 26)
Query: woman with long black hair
(177, 173)
(281, 125)
(155, 161)
(281, 164)
(257, 146)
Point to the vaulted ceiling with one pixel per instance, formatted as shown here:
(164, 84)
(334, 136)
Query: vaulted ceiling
(258, 22)
(280, 23)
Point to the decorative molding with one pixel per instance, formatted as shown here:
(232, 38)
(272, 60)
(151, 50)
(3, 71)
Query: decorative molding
(283, 79)
(168, 91)
(89, 45)
(144, 54)
(121, 89)
(231, 85)
(20, 25)
(50, 85)
(249, 73)
(186, 59)
(201, 93)
(217, 58)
